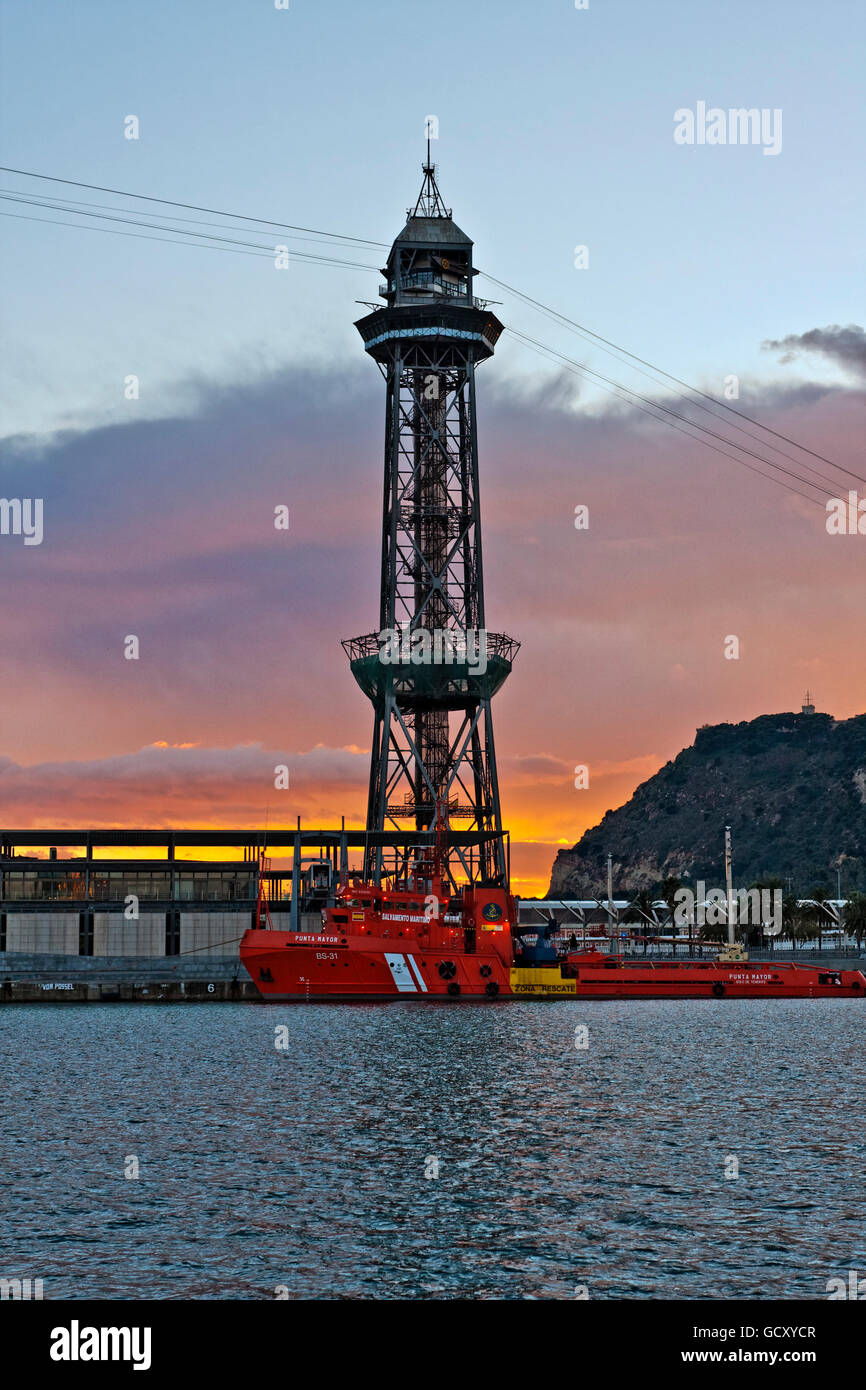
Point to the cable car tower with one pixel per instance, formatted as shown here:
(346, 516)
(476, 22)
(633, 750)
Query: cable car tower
(432, 667)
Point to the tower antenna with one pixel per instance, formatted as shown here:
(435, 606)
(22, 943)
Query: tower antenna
(429, 201)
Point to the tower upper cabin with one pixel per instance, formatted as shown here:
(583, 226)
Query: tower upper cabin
(431, 259)
(429, 288)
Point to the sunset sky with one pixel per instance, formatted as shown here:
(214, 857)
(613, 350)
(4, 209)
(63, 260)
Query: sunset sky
(555, 130)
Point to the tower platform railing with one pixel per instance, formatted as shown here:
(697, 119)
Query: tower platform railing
(498, 645)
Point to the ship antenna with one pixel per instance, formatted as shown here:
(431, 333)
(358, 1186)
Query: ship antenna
(263, 908)
(440, 846)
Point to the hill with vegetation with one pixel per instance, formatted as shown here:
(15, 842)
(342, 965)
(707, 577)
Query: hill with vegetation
(792, 787)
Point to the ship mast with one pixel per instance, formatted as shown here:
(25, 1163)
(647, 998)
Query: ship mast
(729, 886)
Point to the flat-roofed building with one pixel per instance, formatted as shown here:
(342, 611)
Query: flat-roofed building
(163, 893)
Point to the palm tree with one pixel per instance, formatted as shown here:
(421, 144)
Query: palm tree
(668, 890)
(715, 935)
(817, 910)
(640, 910)
(855, 917)
(790, 914)
(770, 885)
(805, 925)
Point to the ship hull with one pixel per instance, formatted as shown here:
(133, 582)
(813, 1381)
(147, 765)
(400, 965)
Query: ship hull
(297, 968)
(292, 968)
(711, 981)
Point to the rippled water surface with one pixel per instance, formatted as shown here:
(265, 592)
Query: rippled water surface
(558, 1167)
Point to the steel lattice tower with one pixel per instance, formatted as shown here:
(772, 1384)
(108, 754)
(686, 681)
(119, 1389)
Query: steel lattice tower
(432, 731)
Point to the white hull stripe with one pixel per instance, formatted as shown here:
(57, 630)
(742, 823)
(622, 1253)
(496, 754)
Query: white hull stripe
(418, 976)
(400, 973)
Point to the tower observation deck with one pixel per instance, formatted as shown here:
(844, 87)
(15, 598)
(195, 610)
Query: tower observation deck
(431, 668)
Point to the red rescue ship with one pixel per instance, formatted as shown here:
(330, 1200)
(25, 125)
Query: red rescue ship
(378, 942)
(418, 941)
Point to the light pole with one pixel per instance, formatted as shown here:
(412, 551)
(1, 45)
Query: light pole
(729, 885)
(610, 899)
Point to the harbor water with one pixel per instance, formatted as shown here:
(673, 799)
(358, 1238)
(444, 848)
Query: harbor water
(603, 1150)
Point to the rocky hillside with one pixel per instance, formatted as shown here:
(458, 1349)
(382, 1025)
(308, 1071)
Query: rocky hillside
(792, 787)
